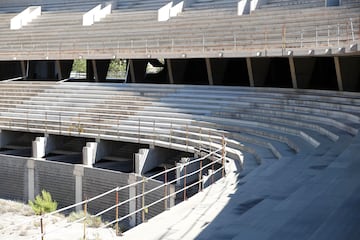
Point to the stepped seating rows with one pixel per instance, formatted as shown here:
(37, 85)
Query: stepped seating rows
(199, 28)
(261, 124)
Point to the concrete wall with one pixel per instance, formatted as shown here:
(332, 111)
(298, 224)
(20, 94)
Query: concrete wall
(152, 197)
(56, 178)
(13, 178)
(21, 177)
(97, 181)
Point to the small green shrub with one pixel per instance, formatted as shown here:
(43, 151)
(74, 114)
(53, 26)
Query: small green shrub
(43, 203)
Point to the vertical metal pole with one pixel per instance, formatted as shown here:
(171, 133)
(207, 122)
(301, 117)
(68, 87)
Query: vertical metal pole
(154, 133)
(203, 42)
(316, 36)
(328, 35)
(301, 38)
(165, 189)
(223, 155)
(200, 176)
(42, 228)
(85, 216)
(235, 43)
(60, 122)
(143, 200)
(184, 182)
(46, 122)
(213, 170)
(338, 35)
(117, 212)
(139, 132)
(352, 30)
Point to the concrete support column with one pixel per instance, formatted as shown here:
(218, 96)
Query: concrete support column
(132, 203)
(170, 71)
(209, 71)
(58, 70)
(89, 153)
(38, 147)
(31, 179)
(78, 173)
(293, 72)
(250, 72)
(338, 73)
(23, 69)
(94, 67)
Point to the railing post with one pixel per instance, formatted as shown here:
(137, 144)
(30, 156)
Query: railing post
(316, 36)
(85, 216)
(328, 35)
(223, 153)
(212, 173)
(143, 201)
(338, 35)
(185, 182)
(117, 212)
(42, 227)
(301, 38)
(165, 189)
(46, 122)
(352, 30)
(200, 176)
(60, 122)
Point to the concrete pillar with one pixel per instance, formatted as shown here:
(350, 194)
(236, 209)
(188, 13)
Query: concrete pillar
(58, 70)
(180, 171)
(97, 69)
(304, 69)
(132, 71)
(23, 69)
(132, 203)
(170, 71)
(38, 147)
(138, 70)
(31, 179)
(65, 68)
(350, 72)
(78, 173)
(209, 71)
(178, 67)
(338, 73)
(293, 72)
(250, 72)
(147, 159)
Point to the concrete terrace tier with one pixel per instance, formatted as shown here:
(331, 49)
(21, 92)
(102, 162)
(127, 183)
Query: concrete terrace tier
(201, 30)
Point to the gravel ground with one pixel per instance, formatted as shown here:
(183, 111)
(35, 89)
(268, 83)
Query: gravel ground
(18, 222)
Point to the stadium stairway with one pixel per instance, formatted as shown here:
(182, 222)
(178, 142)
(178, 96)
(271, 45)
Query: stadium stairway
(291, 147)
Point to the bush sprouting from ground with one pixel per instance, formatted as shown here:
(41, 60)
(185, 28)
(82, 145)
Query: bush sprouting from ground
(43, 203)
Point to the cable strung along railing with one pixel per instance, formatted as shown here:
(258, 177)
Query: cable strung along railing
(212, 163)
